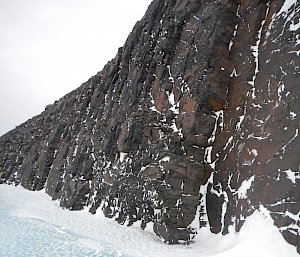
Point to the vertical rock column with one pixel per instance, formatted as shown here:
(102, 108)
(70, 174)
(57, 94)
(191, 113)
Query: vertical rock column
(256, 151)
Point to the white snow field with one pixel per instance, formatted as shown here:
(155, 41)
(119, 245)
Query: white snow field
(31, 224)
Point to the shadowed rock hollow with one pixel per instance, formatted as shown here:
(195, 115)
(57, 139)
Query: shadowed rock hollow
(198, 113)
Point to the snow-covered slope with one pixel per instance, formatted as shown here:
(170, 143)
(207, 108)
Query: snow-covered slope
(33, 225)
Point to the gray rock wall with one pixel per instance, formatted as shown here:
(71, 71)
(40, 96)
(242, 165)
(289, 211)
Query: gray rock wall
(198, 110)
(257, 149)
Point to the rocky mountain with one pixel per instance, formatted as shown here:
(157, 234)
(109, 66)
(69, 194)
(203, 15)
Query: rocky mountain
(197, 117)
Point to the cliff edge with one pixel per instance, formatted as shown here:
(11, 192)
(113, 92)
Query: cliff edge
(198, 113)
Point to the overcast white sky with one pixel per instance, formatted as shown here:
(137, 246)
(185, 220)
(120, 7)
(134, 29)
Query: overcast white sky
(50, 47)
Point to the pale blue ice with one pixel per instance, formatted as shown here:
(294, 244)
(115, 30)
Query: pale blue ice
(28, 237)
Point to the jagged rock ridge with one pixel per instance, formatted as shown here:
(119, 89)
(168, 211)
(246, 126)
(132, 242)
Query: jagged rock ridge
(198, 112)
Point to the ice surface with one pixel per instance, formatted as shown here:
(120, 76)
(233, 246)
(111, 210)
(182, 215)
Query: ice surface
(286, 6)
(238, 124)
(31, 224)
(122, 156)
(246, 185)
(292, 175)
(288, 10)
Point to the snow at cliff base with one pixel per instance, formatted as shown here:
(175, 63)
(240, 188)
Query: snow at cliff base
(31, 224)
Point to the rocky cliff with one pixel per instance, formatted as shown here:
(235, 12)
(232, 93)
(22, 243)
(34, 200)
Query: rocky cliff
(196, 116)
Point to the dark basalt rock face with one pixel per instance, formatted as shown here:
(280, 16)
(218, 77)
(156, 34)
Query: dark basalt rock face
(198, 112)
(256, 152)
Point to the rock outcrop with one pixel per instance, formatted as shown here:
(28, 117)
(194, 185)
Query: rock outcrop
(197, 113)
(256, 153)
